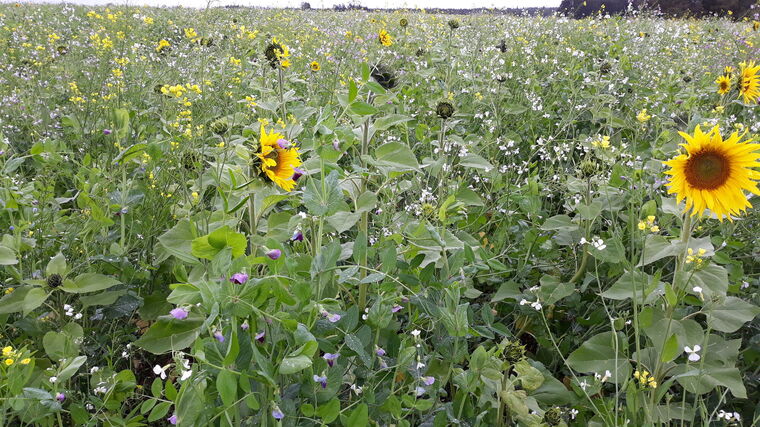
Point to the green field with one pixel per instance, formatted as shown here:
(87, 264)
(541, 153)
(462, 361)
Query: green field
(277, 217)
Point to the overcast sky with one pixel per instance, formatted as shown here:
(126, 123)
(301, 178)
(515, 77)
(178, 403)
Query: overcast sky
(317, 3)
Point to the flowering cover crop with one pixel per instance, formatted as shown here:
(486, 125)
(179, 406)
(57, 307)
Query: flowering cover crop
(230, 217)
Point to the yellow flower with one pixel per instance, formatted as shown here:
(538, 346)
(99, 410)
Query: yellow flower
(190, 33)
(714, 173)
(642, 225)
(278, 159)
(385, 38)
(749, 82)
(315, 66)
(25, 361)
(724, 84)
(7, 351)
(8, 362)
(162, 44)
(643, 116)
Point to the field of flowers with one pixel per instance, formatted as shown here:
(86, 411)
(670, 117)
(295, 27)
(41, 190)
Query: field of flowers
(265, 217)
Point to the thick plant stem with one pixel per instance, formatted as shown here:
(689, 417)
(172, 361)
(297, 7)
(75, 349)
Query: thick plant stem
(364, 221)
(282, 102)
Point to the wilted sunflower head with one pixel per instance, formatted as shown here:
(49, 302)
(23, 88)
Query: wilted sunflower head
(454, 24)
(502, 46)
(513, 352)
(279, 159)
(219, 126)
(553, 416)
(403, 22)
(420, 52)
(54, 280)
(62, 50)
(444, 110)
(273, 52)
(384, 75)
(206, 42)
(749, 82)
(756, 25)
(714, 173)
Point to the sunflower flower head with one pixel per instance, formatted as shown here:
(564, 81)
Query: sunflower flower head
(279, 159)
(714, 173)
(724, 84)
(314, 66)
(749, 82)
(384, 38)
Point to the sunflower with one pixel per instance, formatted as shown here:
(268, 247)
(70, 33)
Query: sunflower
(315, 66)
(385, 38)
(714, 173)
(724, 84)
(749, 82)
(279, 158)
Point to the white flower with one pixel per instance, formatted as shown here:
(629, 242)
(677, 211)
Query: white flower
(524, 301)
(697, 289)
(420, 365)
(100, 390)
(583, 241)
(583, 384)
(693, 356)
(573, 413)
(356, 389)
(416, 333)
(536, 305)
(53, 379)
(185, 375)
(160, 371)
(94, 369)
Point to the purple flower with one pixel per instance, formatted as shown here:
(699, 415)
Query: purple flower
(260, 336)
(245, 326)
(277, 414)
(60, 397)
(321, 380)
(405, 299)
(428, 380)
(297, 173)
(396, 308)
(297, 236)
(380, 351)
(218, 335)
(420, 390)
(334, 317)
(172, 420)
(283, 143)
(330, 358)
(274, 253)
(336, 145)
(239, 278)
(106, 131)
(179, 313)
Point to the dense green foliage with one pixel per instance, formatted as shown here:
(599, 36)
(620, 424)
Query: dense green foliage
(482, 235)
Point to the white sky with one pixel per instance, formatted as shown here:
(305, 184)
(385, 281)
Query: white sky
(449, 4)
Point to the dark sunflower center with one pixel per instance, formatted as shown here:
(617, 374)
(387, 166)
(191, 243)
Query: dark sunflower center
(707, 170)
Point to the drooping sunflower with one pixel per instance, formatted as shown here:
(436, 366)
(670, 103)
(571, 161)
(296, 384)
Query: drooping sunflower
(279, 158)
(724, 84)
(749, 82)
(714, 173)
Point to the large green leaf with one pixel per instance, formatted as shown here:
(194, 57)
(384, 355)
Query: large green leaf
(605, 351)
(731, 314)
(7, 256)
(209, 246)
(629, 284)
(291, 365)
(169, 334)
(178, 241)
(89, 282)
(395, 156)
(24, 299)
(323, 198)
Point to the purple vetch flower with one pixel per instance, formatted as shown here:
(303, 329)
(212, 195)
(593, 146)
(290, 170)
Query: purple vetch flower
(321, 380)
(245, 326)
(260, 336)
(60, 397)
(428, 381)
(282, 143)
(330, 358)
(336, 145)
(404, 300)
(106, 131)
(297, 173)
(332, 317)
(274, 253)
(420, 390)
(297, 236)
(396, 308)
(277, 414)
(239, 278)
(179, 313)
(172, 420)
(380, 351)
(218, 335)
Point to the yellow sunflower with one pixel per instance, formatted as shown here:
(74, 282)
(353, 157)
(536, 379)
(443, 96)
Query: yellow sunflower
(385, 38)
(279, 158)
(724, 84)
(749, 82)
(315, 66)
(714, 173)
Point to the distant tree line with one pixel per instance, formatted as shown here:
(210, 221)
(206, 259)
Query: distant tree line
(581, 8)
